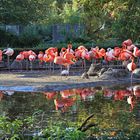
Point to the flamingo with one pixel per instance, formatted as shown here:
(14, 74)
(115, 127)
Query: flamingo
(109, 56)
(96, 53)
(130, 100)
(136, 52)
(70, 58)
(0, 55)
(125, 54)
(40, 57)
(26, 57)
(19, 58)
(127, 42)
(49, 58)
(66, 61)
(136, 90)
(32, 57)
(9, 52)
(131, 67)
(82, 52)
(50, 55)
(64, 72)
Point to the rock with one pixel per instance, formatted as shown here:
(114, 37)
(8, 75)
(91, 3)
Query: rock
(94, 69)
(136, 73)
(102, 71)
(120, 73)
(85, 76)
(115, 73)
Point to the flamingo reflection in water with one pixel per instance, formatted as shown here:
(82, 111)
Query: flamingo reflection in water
(87, 93)
(136, 91)
(67, 93)
(50, 95)
(108, 93)
(120, 94)
(63, 104)
(1, 95)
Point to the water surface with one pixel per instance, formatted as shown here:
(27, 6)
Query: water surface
(116, 109)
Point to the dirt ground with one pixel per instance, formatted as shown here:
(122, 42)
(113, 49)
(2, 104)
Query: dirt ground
(52, 81)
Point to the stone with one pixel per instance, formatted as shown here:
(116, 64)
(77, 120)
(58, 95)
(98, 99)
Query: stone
(102, 71)
(94, 69)
(85, 76)
(115, 73)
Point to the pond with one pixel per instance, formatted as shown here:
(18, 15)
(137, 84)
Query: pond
(116, 110)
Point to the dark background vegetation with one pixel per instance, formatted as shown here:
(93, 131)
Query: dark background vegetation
(104, 22)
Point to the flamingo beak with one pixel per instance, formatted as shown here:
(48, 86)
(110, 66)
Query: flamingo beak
(4, 50)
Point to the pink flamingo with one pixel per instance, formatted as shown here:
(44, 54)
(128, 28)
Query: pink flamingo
(19, 58)
(136, 90)
(136, 52)
(50, 55)
(26, 57)
(9, 52)
(131, 67)
(130, 100)
(40, 57)
(0, 55)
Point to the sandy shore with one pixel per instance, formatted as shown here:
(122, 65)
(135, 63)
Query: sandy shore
(43, 81)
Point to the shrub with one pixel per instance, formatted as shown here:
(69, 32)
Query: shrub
(7, 38)
(30, 36)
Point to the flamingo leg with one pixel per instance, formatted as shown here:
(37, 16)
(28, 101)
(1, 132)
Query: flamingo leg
(131, 78)
(68, 68)
(26, 64)
(8, 62)
(21, 65)
(53, 67)
(61, 67)
(31, 64)
(84, 64)
(138, 61)
(50, 67)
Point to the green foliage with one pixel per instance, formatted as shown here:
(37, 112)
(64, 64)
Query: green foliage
(59, 132)
(30, 36)
(10, 129)
(120, 17)
(126, 25)
(7, 38)
(23, 12)
(34, 34)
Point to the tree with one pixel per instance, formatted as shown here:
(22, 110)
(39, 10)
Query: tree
(22, 11)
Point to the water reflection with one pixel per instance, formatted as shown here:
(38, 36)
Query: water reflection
(65, 99)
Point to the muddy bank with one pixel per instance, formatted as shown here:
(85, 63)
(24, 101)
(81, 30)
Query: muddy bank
(38, 81)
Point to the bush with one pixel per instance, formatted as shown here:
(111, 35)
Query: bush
(7, 38)
(30, 36)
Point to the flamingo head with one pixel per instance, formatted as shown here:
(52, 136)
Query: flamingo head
(8, 51)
